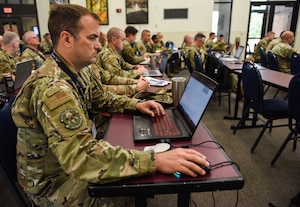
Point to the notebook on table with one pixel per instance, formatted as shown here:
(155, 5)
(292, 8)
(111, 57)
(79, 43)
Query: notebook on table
(23, 71)
(236, 56)
(162, 67)
(179, 123)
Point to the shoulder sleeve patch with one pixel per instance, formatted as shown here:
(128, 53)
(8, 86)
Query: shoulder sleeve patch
(57, 99)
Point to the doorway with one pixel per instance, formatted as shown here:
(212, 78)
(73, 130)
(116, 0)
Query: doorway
(11, 24)
(270, 16)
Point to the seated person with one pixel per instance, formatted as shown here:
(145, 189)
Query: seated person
(128, 52)
(57, 152)
(220, 44)
(274, 42)
(262, 43)
(117, 84)
(160, 43)
(8, 60)
(47, 44)
(283, 51)
(32, 43)
(196, 47)
(146, 44)
(109, 58)
(209, 43)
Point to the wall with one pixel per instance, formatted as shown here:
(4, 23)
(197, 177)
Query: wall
(199, 18)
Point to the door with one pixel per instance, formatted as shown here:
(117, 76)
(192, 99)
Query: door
(11, 24)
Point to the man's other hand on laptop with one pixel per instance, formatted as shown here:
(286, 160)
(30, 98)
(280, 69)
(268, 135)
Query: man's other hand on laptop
(181, 160)
(151, 108)
(141, 69)
(142, 84)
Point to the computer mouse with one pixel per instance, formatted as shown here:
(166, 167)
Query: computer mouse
(206, 169)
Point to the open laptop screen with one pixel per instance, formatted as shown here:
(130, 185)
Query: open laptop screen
(195, 99)
(239, 52)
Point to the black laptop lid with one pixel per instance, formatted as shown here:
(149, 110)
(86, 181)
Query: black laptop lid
(195, 98)
(23, 71)
(163, 63)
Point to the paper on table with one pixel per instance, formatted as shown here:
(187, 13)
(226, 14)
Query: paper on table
(157, 82)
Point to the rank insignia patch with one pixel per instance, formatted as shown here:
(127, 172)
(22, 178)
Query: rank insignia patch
(71, 119)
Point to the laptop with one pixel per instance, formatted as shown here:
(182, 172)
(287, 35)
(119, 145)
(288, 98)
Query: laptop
(162, 67)
(236, 56)
(23, 71)
(184, 119)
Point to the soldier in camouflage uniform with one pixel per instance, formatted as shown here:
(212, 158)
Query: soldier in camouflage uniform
(57, 154)
(196, 47)
(47, 44)
(262, 43)
(128, 52)
(160, 45)
(209, 43)
(32, 43)
(109, 58)
(8, 54)
(146, 43)
(283, 51)
(117, 84)
(220, 44)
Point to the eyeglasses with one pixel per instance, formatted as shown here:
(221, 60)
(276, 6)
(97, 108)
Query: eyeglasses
(34, 37)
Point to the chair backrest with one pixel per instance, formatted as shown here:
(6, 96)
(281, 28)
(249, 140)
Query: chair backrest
(253, 86)
(295, 63)
(294, 101)
(198, 63)
(263, 58)
(272, 60)
(8, 163)
(187, 61)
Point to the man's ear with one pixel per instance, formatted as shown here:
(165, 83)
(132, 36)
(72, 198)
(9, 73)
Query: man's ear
(66, 38)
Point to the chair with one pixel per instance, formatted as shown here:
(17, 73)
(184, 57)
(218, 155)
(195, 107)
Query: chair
(187, 61)
(294, 115)
(272, 60)
(295, 63)
(263, 58)
(8, 169)
(270, 109)
(198, 63)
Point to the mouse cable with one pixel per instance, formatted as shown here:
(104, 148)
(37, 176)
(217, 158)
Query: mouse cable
(236, 201)
(229, 162)
(190, 145)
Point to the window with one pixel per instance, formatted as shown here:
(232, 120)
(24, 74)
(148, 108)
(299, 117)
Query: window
(221, 18)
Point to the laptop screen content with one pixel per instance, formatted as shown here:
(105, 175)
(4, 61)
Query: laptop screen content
(195, 99)
(239, 52)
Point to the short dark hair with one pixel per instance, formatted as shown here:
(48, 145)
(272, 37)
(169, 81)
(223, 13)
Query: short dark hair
(154, 37)
(199, 36)
(130, 30)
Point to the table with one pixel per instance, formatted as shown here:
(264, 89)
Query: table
(226, 177)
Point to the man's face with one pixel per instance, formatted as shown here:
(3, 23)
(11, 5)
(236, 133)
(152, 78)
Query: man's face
(146, 36)
(33, 39)
(131, 38)
(85, 47)
(119, 42)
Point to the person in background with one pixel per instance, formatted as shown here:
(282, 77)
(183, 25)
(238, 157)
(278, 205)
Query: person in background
(47, 44)
(262, 43)
(160, 43)
(220, 45)
(128, 52)
(188, 40)
(8, 59)
(196, 47)
(274, 42)
(209, 43)
(146, 43)
(102, 39)
(32, 43)
(283, 51)
(110, 58)
(57, 153)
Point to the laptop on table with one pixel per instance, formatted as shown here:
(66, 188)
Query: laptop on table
(162, 67)
(179, 123)
(236, 56)
(23, 71)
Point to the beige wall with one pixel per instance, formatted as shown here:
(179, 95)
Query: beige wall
(199, 18)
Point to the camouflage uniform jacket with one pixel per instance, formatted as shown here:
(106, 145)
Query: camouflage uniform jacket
(143, 47)
(209, 43)
(191, 51)
(37, 56)
(113, 83)
(112, 61)
(283, 52)
(272, 44)
(57, 155)
(7, 63)
(47, 46)
(128, 53)
(262, 43)
(220, 46)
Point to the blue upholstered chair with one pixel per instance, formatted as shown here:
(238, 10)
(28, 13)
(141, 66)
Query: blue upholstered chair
(294, 115)
(270, 109)
(198, 63)
(272, 61)
(295, 63)
(263, 58)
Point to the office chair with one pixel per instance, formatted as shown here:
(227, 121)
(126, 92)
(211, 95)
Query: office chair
(270, 109)
(187, 61)
(263, 58)
(295, 63)
(294, 115)
(272, 60)
(198, 63)
(8, 163)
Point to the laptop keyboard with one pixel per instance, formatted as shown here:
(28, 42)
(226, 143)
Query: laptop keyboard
(165, 125)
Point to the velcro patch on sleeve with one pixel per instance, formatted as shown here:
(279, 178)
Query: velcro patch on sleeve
(57, 99)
